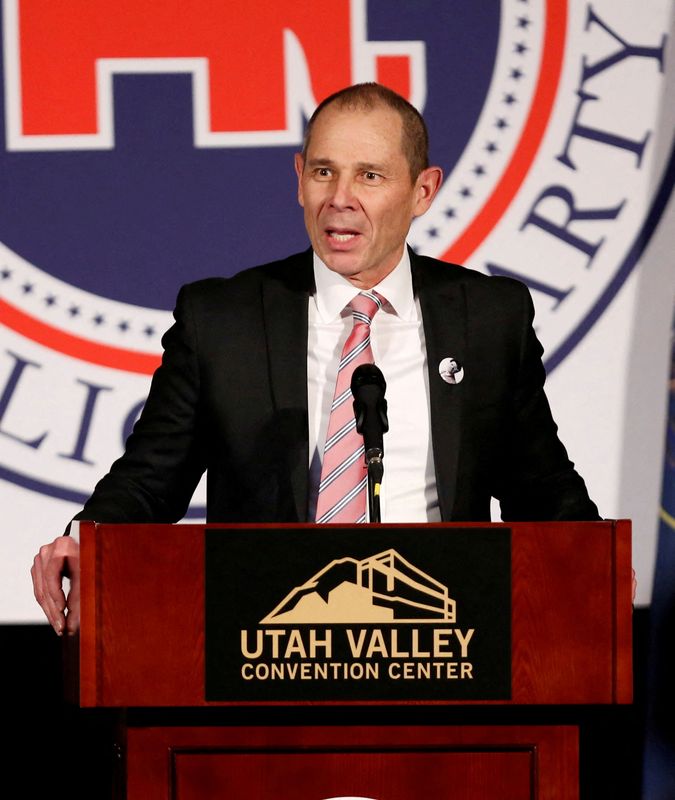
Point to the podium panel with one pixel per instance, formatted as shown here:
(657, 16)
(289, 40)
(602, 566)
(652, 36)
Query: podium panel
(383, 763)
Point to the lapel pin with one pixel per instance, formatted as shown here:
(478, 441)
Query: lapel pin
(451, 370)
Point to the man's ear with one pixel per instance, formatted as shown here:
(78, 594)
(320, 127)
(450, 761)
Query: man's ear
(299, 168)
(426, 188)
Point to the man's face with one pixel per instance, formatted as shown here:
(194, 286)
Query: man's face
(357, 193)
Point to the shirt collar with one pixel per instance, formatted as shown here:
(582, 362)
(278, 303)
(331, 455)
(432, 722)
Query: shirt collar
(333, 292)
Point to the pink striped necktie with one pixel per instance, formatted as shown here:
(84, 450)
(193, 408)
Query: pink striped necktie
(344, 476)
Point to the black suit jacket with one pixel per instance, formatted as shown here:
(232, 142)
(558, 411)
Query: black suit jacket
(231, 398)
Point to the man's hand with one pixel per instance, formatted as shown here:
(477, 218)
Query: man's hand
(55, 561)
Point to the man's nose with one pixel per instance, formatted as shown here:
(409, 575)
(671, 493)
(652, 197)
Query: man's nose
(344, 194)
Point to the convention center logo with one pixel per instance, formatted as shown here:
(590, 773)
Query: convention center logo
(418, 616)
(144, 145)
(345, 597)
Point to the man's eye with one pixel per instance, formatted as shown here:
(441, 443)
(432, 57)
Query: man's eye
(322, 172)
(372, 177)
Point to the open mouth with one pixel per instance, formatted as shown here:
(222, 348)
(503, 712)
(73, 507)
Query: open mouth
(341, 235)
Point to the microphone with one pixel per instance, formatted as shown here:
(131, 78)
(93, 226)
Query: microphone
(370, 409)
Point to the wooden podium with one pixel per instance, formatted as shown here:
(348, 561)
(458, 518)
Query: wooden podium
(141, 650)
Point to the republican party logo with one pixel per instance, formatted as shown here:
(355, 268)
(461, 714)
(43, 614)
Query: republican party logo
(145, 144)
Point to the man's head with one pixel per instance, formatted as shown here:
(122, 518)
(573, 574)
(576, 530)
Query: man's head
(362, 178)
(366, 97)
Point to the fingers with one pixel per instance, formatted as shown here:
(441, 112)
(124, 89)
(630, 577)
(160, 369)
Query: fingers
(52, 601)
(73, 601)
(47, 573)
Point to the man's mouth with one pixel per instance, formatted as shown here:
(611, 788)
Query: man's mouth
(341, 235)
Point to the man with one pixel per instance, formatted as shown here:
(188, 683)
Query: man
(246, 384)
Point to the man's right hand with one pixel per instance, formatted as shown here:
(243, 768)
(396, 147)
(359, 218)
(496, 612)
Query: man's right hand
(55, 561)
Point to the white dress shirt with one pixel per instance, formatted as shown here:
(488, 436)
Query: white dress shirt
(397, 338)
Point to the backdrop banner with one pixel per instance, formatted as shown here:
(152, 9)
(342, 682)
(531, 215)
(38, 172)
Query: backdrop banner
(145, 144)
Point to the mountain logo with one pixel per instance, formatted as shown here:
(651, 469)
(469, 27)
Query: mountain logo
(381, 588)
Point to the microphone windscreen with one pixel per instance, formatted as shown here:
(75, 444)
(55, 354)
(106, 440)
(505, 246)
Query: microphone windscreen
(367, 375)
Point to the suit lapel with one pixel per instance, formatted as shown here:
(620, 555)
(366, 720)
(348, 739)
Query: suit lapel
(285, 296)
(443, 303)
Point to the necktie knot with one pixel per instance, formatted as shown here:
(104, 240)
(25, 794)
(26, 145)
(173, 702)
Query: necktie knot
(365, 305)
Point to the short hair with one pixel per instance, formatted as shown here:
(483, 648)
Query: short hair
(368, 96)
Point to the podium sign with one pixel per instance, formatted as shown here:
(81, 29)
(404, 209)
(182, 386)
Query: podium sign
(346, 614)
